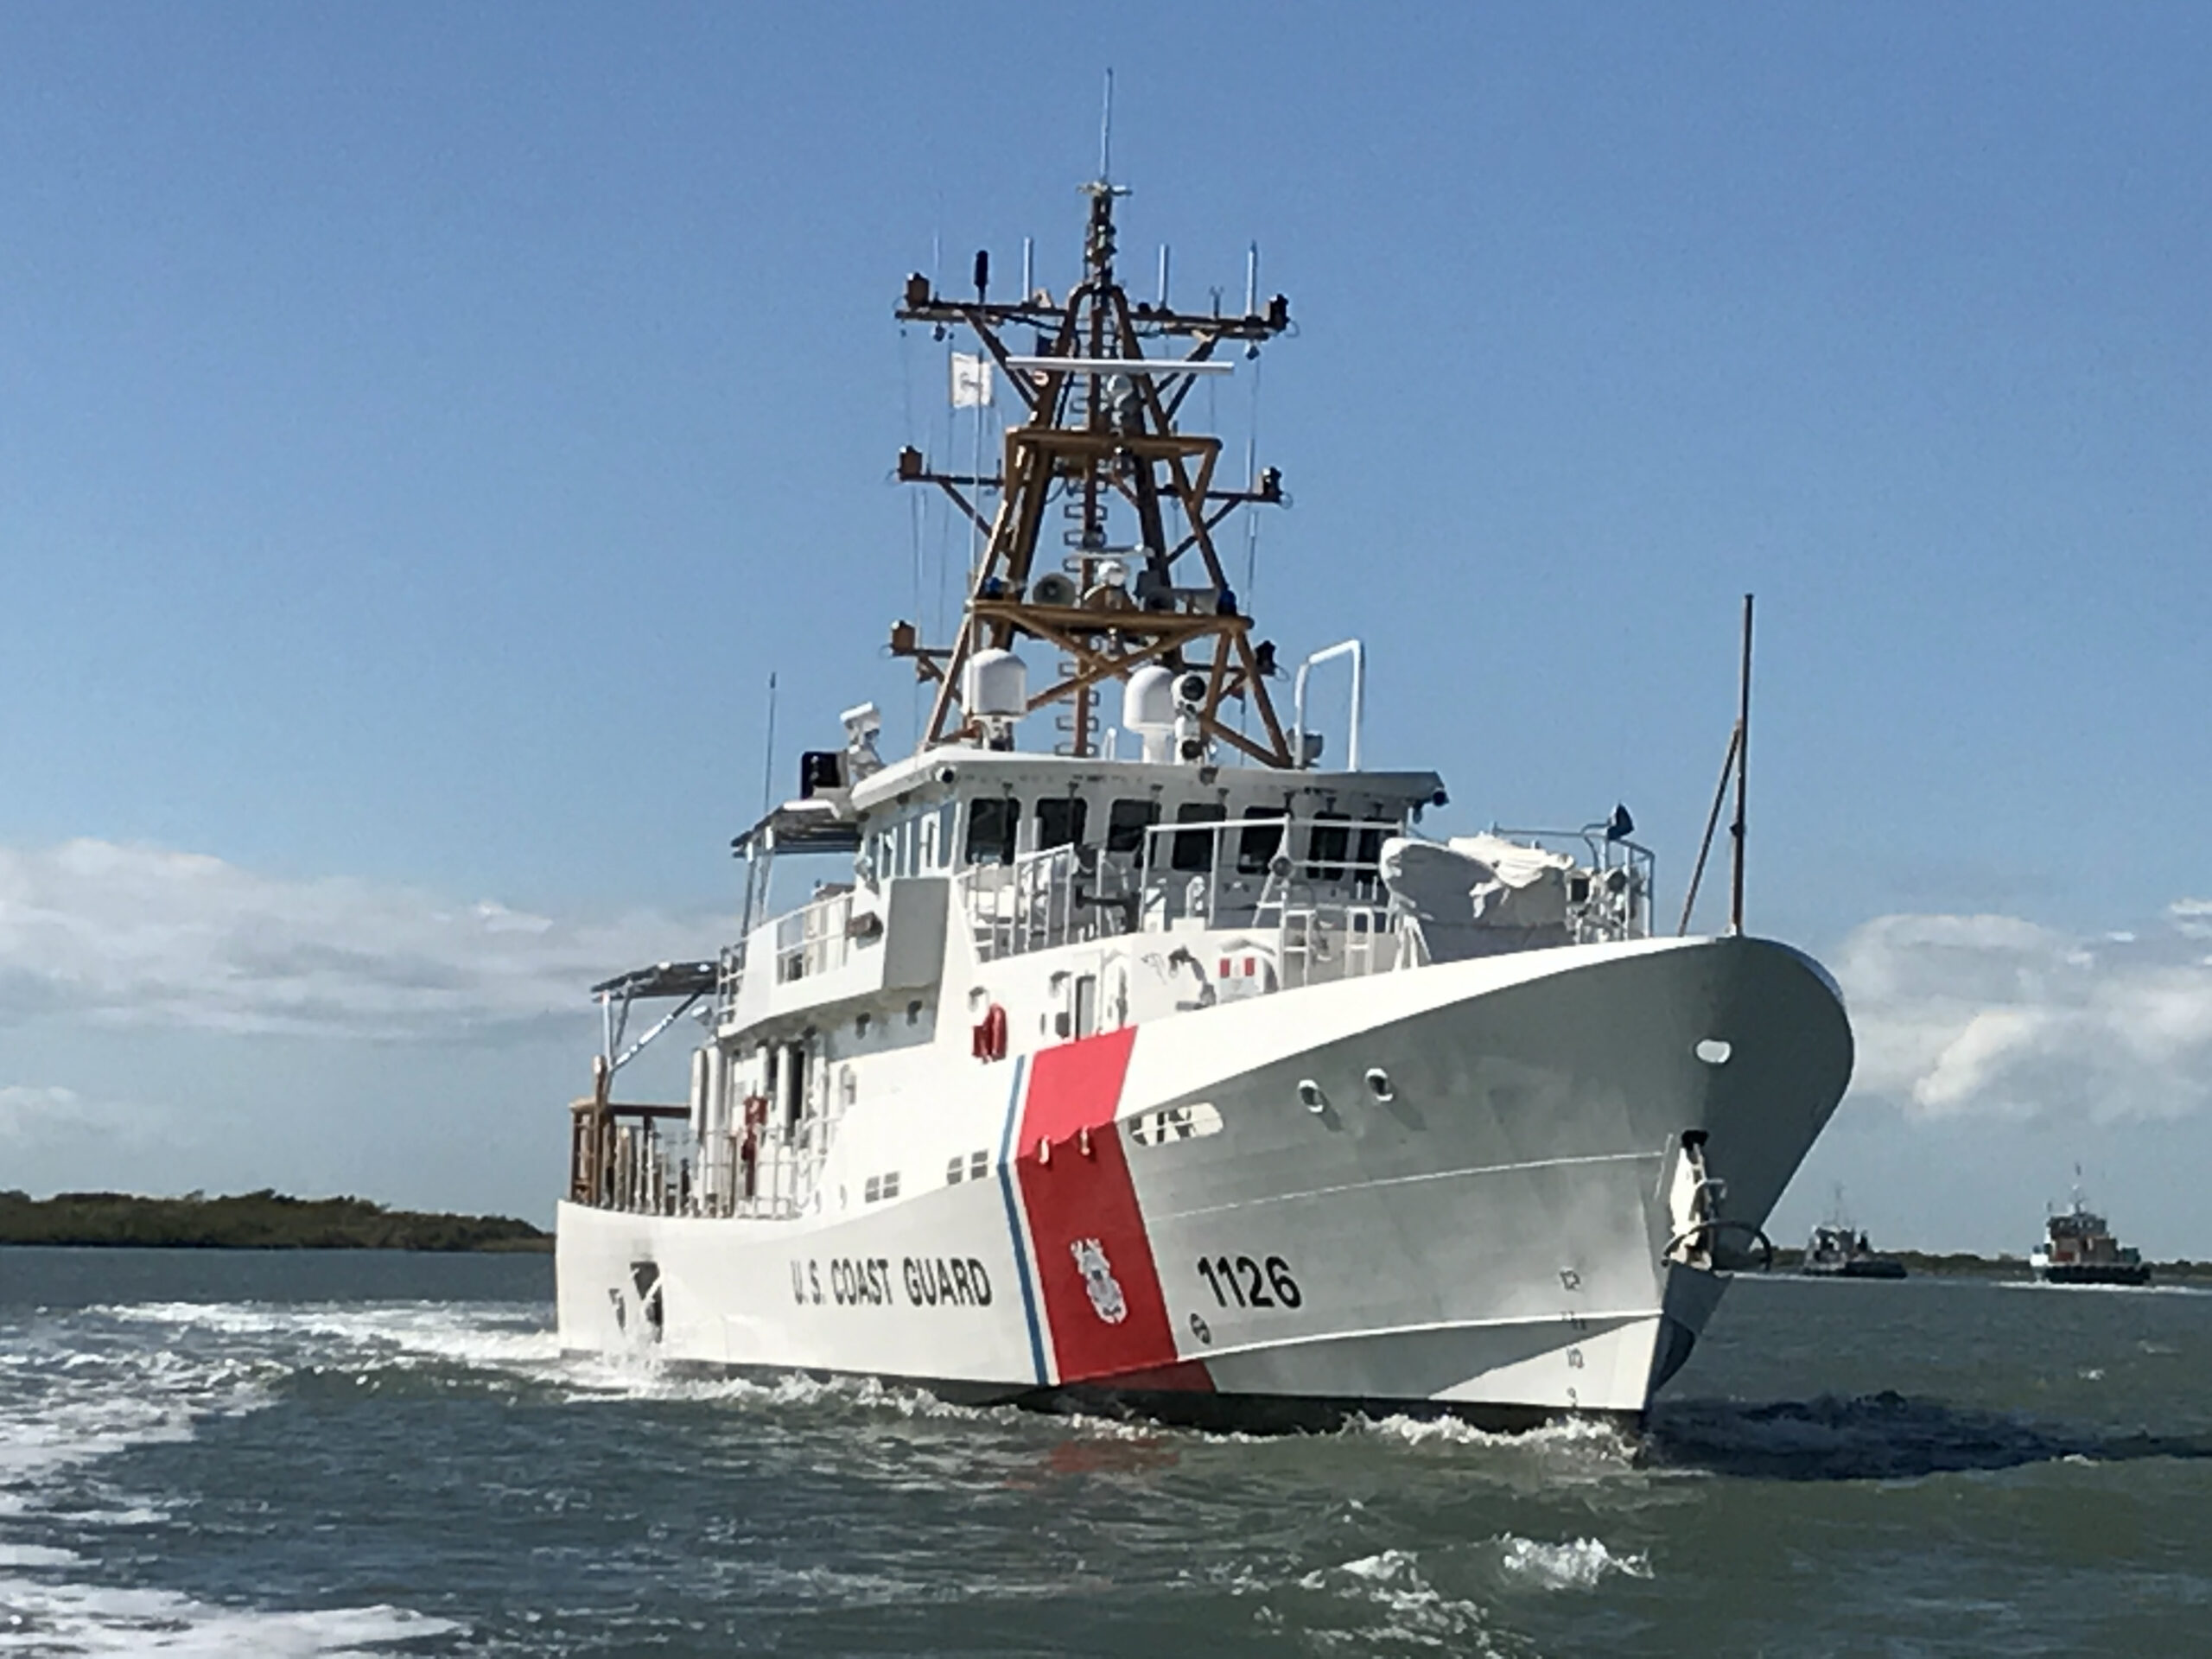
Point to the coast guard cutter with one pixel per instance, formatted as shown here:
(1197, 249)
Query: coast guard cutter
(1168, 1066)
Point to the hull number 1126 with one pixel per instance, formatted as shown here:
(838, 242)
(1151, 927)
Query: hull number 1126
(1242, 1282)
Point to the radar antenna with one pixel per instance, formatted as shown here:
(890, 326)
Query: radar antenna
(1100, 428)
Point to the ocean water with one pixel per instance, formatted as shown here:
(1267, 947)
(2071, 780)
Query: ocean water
(310, 1454)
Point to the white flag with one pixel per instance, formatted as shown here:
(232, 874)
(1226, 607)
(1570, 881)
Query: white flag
(971, 380)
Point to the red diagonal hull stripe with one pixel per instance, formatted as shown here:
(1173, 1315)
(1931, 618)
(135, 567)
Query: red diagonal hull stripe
(1076, 1200)
(1075, 1086)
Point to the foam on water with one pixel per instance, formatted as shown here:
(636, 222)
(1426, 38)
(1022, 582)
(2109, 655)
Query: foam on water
(37, 1555)
(79, 1618)
(1578, 1436)
(1576, 1564)
(500, 1339)
(82, 1387)
(493, 1336)
(1399, 1607)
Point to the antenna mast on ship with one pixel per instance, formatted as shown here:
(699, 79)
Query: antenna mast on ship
(1100, 428)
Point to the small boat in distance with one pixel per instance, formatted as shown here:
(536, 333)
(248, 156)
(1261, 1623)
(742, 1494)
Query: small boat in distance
(2079, 1248)
(1835, 1251)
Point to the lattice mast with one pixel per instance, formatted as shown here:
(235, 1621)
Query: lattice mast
(1100, 428)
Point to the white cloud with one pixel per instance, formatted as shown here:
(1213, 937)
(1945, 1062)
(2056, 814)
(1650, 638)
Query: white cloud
(1991, 1015)
(31, 1114)
(142, 935)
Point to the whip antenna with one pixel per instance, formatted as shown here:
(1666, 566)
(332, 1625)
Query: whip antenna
(1742, 765)
(1732, 766)
(768, 754)
(1106, 133)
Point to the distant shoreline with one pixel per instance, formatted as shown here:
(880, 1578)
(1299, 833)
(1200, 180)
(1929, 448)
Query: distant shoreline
(269, 1220)
(1965, 1264)
(252, 1221)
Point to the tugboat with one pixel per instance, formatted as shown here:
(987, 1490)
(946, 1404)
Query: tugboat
(1838, 1252)
(2078, 1248)
(1168, 1068)
(1838, 1249)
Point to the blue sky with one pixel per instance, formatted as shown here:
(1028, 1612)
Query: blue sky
(422, 431)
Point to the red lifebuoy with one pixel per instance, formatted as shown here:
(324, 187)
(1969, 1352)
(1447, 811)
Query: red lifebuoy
(990, 1034)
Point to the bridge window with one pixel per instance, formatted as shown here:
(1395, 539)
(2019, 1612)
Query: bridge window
(1060, 820)
(1194, 849)
(1257, 842)
(1326, 846)
(993, 823)
(1126, 822)
(1372, 832)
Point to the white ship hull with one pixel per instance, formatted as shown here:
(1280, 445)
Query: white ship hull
(1458, 1189)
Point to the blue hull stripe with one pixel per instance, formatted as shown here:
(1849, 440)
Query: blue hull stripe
(1007, 1153)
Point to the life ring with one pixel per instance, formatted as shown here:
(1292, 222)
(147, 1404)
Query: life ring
(990, 1034)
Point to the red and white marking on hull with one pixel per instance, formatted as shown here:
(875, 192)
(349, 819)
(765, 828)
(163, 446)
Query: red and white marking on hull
(1072, 1201)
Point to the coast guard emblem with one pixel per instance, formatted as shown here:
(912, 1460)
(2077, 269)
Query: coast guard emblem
(1099, 1279)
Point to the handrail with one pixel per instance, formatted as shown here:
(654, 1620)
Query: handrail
(1278, 876)
(1357, 652)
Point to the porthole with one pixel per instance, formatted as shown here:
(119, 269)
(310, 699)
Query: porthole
(1713, 1050)
(1309, 1096)
(1378, 1085)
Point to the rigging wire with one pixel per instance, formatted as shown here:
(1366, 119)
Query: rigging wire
(1251, 469)
(943, 509)
(914, 507)
(944, 518)
(1251, 481)
(976, 471)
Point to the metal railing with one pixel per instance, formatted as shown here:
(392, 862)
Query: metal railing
(729, 979)
(1277, 865)
(772, 1172)
(816, 939)
(1316, 881)
(1061, 895)
(1609, 897)
(1319, 944)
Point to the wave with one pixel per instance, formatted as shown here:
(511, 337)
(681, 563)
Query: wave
(1575, 1564)
(1885, 1436)
(84, 1618)
(82, 1387)
(2154, 1289)
(1404, 1607)
(1578, 1435)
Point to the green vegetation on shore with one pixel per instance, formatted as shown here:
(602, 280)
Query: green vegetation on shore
(252, 1221)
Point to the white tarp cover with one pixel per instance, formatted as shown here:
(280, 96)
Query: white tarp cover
(1516, 864)
(1477, 895)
